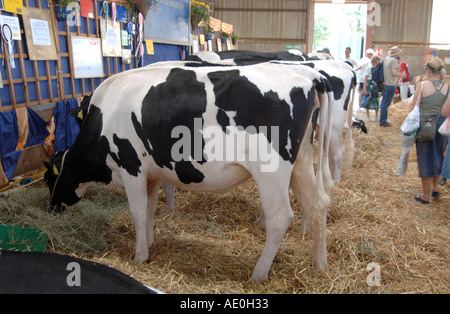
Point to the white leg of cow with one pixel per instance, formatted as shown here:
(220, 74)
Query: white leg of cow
(152, 204)
(278, 215)
(336, 155)
(136, 189)
(169, 189)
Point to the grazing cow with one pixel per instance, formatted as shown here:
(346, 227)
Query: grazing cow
(80, 112)
(200, 129)
(358, 123)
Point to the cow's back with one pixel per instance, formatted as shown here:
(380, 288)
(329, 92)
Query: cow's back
(142, 108)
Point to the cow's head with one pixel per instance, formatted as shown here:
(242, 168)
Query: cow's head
(61, 183)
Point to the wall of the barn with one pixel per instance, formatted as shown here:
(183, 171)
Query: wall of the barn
(265, 25)
(40, 84)
(407, 24)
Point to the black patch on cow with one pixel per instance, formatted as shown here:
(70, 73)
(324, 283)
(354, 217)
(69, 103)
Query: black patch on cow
(337, 84)
(260, 55)
(126, 157)
(237, 94)
(205, 64)
(140, 132)
(187, 173)
(177, 102)
(223, 119)
(193, 58)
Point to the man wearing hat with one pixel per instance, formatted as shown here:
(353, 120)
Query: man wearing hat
(391, 77)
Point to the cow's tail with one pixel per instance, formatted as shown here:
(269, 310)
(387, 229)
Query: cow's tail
(349, 142)
(327, 178)
(318, 210)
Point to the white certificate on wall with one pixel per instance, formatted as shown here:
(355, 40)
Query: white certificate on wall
(40, 32)
(87, 57)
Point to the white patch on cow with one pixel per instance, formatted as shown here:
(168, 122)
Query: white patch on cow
(295, 52)
(288, 146)
(208, 56)
(231, 115)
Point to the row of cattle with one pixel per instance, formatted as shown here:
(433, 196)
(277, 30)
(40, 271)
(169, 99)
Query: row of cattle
(175, 122)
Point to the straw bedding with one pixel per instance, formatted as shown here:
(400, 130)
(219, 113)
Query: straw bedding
(210, 244)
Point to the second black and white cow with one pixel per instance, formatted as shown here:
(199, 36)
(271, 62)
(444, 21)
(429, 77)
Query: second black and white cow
(341, 77)
(200, 129)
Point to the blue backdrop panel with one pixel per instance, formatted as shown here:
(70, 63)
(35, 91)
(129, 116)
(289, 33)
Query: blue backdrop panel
(176, 12)
(168, 22)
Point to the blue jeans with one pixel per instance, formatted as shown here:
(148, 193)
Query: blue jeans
(388, 94)
(446, 167)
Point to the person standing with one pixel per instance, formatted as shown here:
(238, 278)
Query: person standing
(370, 89)
(430, 154)
(362, 65)
(347, 57)
(391, 77)
(405, 79)
(445, 174)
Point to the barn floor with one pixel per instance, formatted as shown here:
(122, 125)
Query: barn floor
(210, 244)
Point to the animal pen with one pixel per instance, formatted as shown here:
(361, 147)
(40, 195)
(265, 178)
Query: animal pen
(210, 243)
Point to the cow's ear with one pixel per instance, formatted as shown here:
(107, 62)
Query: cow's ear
(47, 164)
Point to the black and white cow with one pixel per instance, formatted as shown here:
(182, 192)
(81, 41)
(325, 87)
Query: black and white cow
(200, 129)
(343, 81)
(247, 57)
(341, 77)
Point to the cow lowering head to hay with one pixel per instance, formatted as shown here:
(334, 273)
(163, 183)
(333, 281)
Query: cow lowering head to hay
(176, 124)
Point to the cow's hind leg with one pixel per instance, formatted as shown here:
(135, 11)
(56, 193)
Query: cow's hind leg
(152, 204)
(278, 216)
(169, 189)
(136, 189)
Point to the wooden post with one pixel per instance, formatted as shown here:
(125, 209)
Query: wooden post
(369, 27)
(309, 26)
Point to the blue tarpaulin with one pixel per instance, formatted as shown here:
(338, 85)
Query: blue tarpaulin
(66, 127)
(37, 129)
(9, 137)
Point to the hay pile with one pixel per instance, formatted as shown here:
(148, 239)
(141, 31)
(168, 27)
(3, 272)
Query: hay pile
(211, 244)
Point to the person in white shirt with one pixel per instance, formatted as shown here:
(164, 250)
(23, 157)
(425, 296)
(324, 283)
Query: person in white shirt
(347, 57)
(362, 65)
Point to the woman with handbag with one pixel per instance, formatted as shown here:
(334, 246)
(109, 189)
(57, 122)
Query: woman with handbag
(430, 144)
(446, 167)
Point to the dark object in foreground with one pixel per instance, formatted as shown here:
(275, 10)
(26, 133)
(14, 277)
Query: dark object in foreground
(36, 272)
